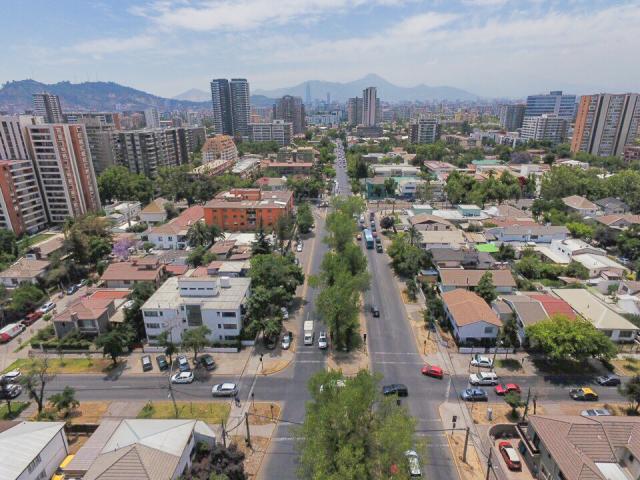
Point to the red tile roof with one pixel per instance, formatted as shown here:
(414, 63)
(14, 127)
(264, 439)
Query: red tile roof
(129, 271)
(553, 305)
(181, 222)
(467, 308)
(177, 269)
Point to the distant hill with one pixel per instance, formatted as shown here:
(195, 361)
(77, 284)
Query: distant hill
(386, 90)
(194, 95)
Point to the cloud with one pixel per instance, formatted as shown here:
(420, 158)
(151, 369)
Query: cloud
(101, 46)
(234, 15)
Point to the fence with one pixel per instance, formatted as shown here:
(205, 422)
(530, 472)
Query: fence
(485, 350)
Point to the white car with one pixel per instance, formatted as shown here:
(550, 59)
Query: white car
(285, 313)
(299, 247)
(224, 390)
(322, 341)
(12, 375)
(483, 378)
(47, 307)
(182, 377)
(414, 463)
(480, 361)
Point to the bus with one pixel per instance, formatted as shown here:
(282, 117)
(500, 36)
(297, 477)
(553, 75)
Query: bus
(368, 238)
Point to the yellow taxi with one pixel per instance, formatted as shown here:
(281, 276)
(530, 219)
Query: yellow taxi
(584, 394)
(59, 475)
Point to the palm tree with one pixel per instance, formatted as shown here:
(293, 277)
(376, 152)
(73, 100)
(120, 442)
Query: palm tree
(216, 233)
(198, 235)
(413, 235)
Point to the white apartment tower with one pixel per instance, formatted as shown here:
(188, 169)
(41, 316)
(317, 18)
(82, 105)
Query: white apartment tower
(48, 107)
(369, 107)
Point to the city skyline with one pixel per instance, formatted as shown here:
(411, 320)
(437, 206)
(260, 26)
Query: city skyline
(541, 46)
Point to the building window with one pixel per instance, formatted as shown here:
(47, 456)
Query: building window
(194, 315)
(230, 326)
(152, 325)
(150, 314)
(625, 334)
(34, 463)
(229, 314)
(488, 329)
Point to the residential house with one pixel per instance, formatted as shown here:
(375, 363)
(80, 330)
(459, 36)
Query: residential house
(92, 314)
(47, 248)
(128, 449)
(439, 169)
(571, 247)
(25, 269)
(471, 259)
(137, 269)
(186, 302)
(454, 278)
(426, 221)
(406, 187)
(469, 210)
(529, 233)
(581, 205)
(31, 450)
(232, 269)
(441, 239)
(590, 307)
(599, 264)
(526, 310)
(154, 212)
(173, 234)
(395, 170)
(472, 319)
(247, 209)
(375, 188)
(272, 183)
(612, 206)
(619, 222)
(562, 447)
(287, 168)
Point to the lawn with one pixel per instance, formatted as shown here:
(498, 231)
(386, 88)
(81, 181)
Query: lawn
(209, 412)
(511, 364)
(66, 365)
(34, 239)
(16, 409)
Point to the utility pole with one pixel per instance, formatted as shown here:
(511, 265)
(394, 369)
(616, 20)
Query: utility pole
(173, 398)
(466, 444)
(224, 434)
(246, 420)
(526, 407)
(489, 465)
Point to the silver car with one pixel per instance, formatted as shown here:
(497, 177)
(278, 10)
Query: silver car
(182, 377)
(224, 390)
(414, 463)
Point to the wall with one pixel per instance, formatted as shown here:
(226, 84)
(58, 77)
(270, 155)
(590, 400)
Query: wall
(51, 456)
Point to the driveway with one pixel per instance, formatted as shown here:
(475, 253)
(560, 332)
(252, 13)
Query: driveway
(525, 474)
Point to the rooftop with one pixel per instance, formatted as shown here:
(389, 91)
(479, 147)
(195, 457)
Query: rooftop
(182, 222)
(25, 268)
(275, 199)
(469, 278)
(467, 308)
(155, 206)
(131, 271)
(578, 202)
(442, 236)
(593, 309)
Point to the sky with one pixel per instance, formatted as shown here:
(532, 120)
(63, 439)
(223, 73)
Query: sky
(493, 48)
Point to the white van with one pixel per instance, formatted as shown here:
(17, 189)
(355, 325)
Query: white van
(308, 332)
(483, 378)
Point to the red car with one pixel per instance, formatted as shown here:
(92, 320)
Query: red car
(32, 317)
(432, 371)
(509, 387)
(510, 456)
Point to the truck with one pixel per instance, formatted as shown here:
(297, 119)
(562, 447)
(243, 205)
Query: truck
(10, 331)
(308, 332)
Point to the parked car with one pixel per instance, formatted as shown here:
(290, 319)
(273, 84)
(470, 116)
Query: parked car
(375, 311)
(608, 381)
(207, 361)
(481, 361)
(286, 340)
(224, 390)
(379, 248)
(10, 391)
(432, 371)
(161, 360)
(72, 289)
(11, 376)
(506, 388)
(583, 394)
(299, 247)
(322, 341)
(47, 307)
(182, 377)
(483, 378)
(414, 463)
(183, 363)
(32, 318)
(285, 313)
(595, 412)
(270, 342)
(474, 395)
(510, 456)
(146, 363)
(396, 389)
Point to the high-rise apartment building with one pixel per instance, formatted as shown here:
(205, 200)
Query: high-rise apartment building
(48, 106)
(425, 130)
(62, 160)
(231, 107)
(152, 118)
(221, 102)
(370, 107)
(240, 106)
(354, 111)
(549, 128)
(100, 127)
(21, 207)
(606, 123)
(106, 118)
(554, 103)
(512, 116)
(290, 109)
(277, 131)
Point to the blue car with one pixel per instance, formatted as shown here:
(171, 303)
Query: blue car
(474, 395)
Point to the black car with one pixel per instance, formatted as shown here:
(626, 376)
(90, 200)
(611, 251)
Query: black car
(608, 381)
(375, 311)
(372, 216)
(207, 361)
(146, 363)
(72, 289)
(396, 389)
(373, 226)
(161, 360)
(379, 248)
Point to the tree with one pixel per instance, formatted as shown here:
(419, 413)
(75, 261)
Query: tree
(577, 270)
(164, 340)
(387, 222)
(352, 432)
(631, 390)
(117, 182)
(304, 218)
(24, 298)
(390, 186)
(262, 244)
(407, 259)
(200, 256)
(486, 289)
(35, 379)
(505, 253)
(216, 233)
(561, 339)
(98, 249)
(514, 400)
(196, 339)
(113, 343)
(340, 228)
(171, 210)
(64, 401)
(198, 235)
(283, 230)
(413, 235)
